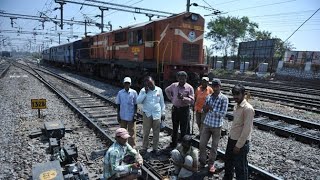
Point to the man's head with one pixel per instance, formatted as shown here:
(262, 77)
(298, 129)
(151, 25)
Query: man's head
(238, 92)
(122, 136)
(204, 82)
(127, 83)
(149, 82)
(182, 77)
(216, 85)
(186, 142)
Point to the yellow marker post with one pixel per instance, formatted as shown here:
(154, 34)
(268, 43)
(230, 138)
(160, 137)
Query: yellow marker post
(38, 104)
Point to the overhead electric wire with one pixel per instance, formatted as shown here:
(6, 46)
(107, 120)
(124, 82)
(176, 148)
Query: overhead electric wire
(207, 3)
(226, 2)
(261, 6)
(279, 14)
(301, 25)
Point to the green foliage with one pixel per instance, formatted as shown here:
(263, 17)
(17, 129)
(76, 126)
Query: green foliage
(225, 32)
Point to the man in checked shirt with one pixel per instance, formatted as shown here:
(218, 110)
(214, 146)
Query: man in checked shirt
(216, 106)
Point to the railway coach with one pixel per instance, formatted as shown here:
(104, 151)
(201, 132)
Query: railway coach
(63, 54)
(158, 48)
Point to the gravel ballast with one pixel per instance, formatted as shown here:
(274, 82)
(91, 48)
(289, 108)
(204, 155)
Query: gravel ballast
(19, 152)
(284, 157)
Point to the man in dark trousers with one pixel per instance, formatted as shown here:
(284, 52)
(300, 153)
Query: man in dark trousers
(239, 136)
(181, 95)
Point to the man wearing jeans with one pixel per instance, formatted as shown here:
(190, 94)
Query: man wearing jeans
(151, 98)
(239, 136)
(216, 106)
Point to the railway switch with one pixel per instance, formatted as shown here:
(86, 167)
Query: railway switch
(71, 153)
(54, 145)
(76, 171)
(54, 129)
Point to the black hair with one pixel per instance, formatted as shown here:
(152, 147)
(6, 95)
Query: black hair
(237, 89)
(182, 73)
(148, 77)
(187, 139)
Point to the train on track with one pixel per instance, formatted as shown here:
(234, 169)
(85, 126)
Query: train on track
(5, 54)
(158, 48)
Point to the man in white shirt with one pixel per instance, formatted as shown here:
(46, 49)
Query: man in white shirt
(151, 98)
(127, 108)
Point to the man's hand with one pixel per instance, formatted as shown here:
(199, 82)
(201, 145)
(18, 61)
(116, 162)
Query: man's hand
(135, 166)
(207, 108)
(140, 162)
(236, 150)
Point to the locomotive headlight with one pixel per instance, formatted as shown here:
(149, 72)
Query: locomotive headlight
(194, 17)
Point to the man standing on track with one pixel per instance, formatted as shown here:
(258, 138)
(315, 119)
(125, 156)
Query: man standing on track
(181, 95)
(127, 108)
(216, 106)
(200, 97)
(151, 97)
(239, 136)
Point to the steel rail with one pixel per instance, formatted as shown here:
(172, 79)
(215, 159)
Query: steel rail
(4, 70)
(145, 168)
(254, 169)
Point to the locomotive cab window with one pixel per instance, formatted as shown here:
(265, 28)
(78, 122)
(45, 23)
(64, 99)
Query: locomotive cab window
(120, 37)
(149, 35)
(135, 37)
(194, 17)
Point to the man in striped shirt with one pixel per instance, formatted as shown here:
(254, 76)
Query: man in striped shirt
(216, 106)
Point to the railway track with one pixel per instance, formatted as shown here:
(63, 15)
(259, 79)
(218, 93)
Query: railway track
(4, 67)
(271, 86)
(304, 131)
(298, 102)
(99, 112)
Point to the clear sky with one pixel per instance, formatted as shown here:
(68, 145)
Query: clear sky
(281, 17)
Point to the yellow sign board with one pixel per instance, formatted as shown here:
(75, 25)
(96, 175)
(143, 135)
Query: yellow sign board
(38, 103)
(135, 49)
(48, 175)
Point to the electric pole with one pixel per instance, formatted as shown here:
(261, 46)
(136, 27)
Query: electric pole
(59, 37)
(61, 12)
(188, 5)
(85, 28)
(101, 25)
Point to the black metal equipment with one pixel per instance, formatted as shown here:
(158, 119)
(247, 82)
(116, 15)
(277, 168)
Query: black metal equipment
(76, 171)
(47, 170)
(54, 129)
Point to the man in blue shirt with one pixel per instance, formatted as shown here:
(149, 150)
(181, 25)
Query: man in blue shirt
(151, 98)
(216, 106)
(127, 108)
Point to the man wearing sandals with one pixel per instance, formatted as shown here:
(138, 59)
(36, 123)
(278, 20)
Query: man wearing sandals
(216, 106)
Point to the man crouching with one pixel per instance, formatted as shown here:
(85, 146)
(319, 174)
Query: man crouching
(185, 158)
(114, 166)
